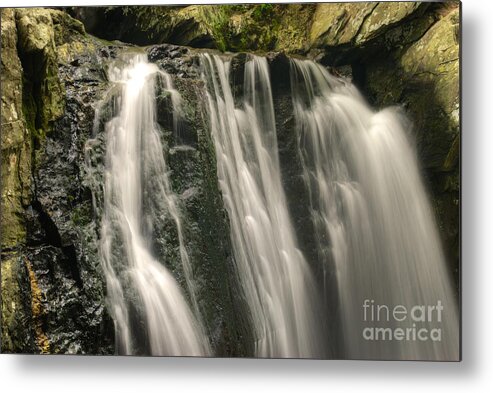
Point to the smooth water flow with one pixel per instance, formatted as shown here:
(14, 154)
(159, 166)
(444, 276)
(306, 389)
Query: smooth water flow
(146, 301)
(377, 241)
(274, 275)
(373, 218)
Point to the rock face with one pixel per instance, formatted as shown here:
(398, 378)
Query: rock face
(16, 193)
(225, 27)
(143, 25)
(37, 51)
(356, 23)
(53, 290)
(16, 141)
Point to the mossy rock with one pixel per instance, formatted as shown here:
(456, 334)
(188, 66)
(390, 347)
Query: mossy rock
(15, 138)
(37, 50)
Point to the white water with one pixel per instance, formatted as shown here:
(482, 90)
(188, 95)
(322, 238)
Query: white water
(144, 297)
(369, 204)
(278, 286)
(373, 221)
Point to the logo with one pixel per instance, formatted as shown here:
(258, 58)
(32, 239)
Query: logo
(382, 322)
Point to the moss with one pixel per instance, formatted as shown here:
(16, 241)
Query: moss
(41, 294)
(66, 28)
(37, 51)
(40, 100)
(69, 51)
(15, 138)
(150, 19)
(238, 29)
(81, 214)
(227, 27)
(32, 98)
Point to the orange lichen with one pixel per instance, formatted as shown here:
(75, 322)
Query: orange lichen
(37, 311)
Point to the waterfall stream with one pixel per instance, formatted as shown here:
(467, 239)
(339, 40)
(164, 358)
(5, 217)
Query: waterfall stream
(274, 275)
(372, 215)
(145, 299)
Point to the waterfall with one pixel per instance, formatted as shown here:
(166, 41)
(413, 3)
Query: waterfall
(147, 303)
(372, 216)
(375, 233)
(275, 278)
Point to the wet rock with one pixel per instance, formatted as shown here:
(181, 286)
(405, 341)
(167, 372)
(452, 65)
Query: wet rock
(280, 67)
(190, 155)
(173, 59)
(17, 327)
(237, 75)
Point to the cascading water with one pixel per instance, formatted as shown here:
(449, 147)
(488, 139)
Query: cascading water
(146, 301)
(373, 222)
(274, 275)
(370, 206)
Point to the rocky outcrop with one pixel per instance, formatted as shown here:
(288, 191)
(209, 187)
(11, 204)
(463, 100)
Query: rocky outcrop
(16, 193)
(225, 27)
(349, 32)
(43, 98)
(143, 25)
(52, 287)
(16, 141)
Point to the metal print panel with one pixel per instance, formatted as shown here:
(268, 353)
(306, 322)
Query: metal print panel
(263, 180)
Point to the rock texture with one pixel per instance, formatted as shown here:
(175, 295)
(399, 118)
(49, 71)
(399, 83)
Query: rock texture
(355, 24)
(16, 193)
(52, 287)
(16, 141)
